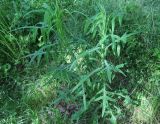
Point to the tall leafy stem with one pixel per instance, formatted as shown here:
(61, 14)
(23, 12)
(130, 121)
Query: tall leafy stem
(102, 30)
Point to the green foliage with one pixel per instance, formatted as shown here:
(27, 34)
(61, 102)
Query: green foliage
(101, 58)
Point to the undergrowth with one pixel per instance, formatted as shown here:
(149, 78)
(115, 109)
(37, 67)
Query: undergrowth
(80, 62)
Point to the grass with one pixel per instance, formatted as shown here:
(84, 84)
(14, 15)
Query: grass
(79, 62)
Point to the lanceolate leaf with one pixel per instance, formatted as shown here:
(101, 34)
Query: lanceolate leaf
(113, 25)
(109, 71)
(105, 98)
(113, 119)
(84, 97)
(118, 50)
(105, 102)
(85, 77)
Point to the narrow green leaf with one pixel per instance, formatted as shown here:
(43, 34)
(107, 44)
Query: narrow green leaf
(109, 71)
(117, 69)
(85, 77)
(99, 98)
(84, 97)
(104, 101)
(113, 119)
(120, 66)
(120, 18)
(113, 25)
(118, 50)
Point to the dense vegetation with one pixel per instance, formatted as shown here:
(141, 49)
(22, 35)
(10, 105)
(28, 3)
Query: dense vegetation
(79, 62)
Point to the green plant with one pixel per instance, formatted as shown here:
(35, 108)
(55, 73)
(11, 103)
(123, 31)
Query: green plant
(96, 68)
